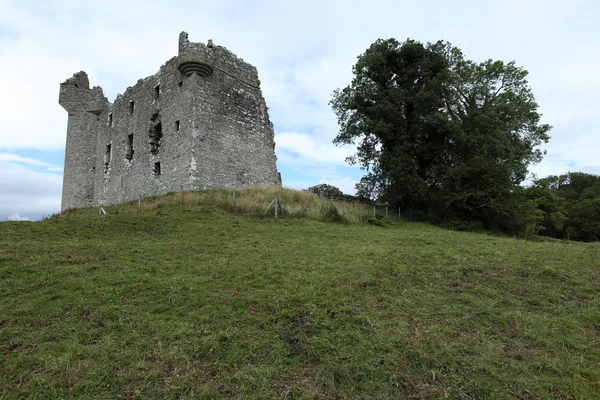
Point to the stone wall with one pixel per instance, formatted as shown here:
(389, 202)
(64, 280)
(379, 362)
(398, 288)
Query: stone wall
(200, 122)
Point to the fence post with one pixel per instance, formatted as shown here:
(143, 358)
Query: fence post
(139, 203)
(374, 212)
(280, 208)
(234, 209)
(181, 194)
(386, 212)
(269, 206)
(276, 206)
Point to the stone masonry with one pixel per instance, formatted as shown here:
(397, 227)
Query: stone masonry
(201, 122)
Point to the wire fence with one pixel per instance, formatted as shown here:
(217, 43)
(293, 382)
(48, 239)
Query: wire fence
(272, 203)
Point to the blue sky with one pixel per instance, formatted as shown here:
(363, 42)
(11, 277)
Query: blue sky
(303, 51)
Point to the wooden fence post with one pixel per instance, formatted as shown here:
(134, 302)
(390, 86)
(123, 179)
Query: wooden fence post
(269, 206)
(139, 203)
(275, 202)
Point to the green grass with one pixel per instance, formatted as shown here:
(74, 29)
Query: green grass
(194, 301)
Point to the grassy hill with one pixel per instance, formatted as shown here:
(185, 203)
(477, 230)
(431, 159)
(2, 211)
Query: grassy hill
(195, 301)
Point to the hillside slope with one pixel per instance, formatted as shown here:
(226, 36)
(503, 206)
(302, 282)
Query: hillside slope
(192, 301)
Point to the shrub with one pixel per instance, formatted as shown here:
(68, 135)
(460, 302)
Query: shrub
(330, 213)
(530, 231)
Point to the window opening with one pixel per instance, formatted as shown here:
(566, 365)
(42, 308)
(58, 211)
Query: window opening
(131, 106)
(177, 126)
(180, 83)
(156, 169)
(156, 92)
(110, 119)
(155, 133)
(107, 158)
(129, 147)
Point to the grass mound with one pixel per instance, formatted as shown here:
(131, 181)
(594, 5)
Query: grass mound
(252, 201)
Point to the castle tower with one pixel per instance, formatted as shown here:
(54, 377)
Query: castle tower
(200, 122)
(84, 106)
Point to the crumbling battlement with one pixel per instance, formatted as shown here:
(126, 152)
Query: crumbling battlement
(200, 122)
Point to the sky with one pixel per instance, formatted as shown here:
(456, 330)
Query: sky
(303, 50)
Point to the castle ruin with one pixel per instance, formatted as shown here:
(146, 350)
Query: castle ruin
(201, 122)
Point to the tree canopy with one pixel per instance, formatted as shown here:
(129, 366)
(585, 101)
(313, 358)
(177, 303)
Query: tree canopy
(439, 133)
(570, 205)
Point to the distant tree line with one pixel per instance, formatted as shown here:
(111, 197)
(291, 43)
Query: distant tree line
(567, 206)
(453, 139)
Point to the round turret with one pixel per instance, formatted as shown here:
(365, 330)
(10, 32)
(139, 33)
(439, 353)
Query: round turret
(195, 67)
(194, 58)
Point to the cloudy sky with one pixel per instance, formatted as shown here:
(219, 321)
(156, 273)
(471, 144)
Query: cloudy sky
(303, 51)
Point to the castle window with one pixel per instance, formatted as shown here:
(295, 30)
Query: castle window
(156, 169)
(177, 126)
(155, 133)
(129, 147)
(110, 119)
(156, 92)
(131, 106)
(107, 158)
(180, 83)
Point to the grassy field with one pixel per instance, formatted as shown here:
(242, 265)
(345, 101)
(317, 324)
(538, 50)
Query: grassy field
(193, 301)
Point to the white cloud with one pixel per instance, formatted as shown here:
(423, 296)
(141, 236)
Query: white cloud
(31, 116)
(44, 43)
(24, 160)
(16, 217)
(28, 193)
(304, 149)
(590, 169)
(345, 184)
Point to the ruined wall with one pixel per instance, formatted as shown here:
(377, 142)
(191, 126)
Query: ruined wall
(232, 136)
(145, 115)
(200, 122)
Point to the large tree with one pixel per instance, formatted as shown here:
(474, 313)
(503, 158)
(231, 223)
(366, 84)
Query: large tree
(436, 131)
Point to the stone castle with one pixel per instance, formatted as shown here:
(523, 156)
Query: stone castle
(201, 122)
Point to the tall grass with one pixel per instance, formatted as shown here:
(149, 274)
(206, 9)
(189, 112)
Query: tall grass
(252, 201)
